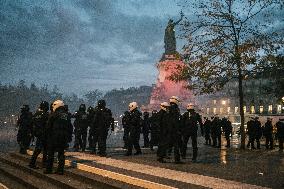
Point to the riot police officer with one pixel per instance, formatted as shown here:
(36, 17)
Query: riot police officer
(267, 132)
(24, 123)
(81, 128)
(227, 129)
(164, 131)
(280, 133)
(154, 129)
(250, 133)
(146, 129)
(59, 134)
(39, 129)
(174, 119)
(216, 132)
(126, 128)
(90, 117)
(102, 122)
(135, 129)
(190, 122)
(257, 131)
(207, 131)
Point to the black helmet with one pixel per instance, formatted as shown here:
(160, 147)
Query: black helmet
(90, 109)
(66, 107)
(146, 114)
(101, 103)
(82, 107)
(44, 106)
(25, 108)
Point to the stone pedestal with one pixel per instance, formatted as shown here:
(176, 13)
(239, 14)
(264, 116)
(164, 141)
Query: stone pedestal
(165, 88)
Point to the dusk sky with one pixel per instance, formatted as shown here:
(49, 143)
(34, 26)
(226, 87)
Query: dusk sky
(82, 45)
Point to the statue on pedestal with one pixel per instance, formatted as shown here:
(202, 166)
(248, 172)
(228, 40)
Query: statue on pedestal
(170, 38)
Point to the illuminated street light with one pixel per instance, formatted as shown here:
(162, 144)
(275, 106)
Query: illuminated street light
(282, 99)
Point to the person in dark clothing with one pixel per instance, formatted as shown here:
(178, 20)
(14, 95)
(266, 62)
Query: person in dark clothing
(81, 128)
(40, 119)
(280, 133)
(189, 124)
(267, 133)
(59, 134)
(154, 129)
(250, 133)
(175, 128)
(90, 117)
(25, 131)
(125, 122)
(146, 129)
(135, 129)
(207, 131)
(164, 131)
(216, 132)
(257, 132)
(102, 122)
(227, 129)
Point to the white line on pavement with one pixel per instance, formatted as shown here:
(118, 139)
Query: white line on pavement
(190, 178)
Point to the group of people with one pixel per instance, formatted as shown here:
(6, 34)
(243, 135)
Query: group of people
(169, 130)
(53, 131)
(255, 131)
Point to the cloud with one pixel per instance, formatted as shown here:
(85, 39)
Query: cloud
(78, 44)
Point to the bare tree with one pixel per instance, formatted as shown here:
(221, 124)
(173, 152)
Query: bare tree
(228, 39)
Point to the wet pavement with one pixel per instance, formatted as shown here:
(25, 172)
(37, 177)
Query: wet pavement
(259, 167)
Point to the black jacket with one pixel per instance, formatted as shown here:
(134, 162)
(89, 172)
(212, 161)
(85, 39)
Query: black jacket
(40, 119)
(59, 129)
(190, 122)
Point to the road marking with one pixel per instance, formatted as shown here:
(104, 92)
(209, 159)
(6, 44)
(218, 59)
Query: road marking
(116, 176)
(190, 178)
(3, 186)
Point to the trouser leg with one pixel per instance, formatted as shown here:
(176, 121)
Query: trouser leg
(34, 157)
(184, 145)
(84, 140)
(176, 151)
(258, 143)
(280, 140)
(136, 143)
(219, 140)
(61, 161)
(194, 147)
(50, 160)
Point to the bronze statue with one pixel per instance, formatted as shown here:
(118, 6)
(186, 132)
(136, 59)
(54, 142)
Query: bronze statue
(170, 38)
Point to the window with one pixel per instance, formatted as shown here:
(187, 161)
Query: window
(279, 109)
(214, 101)
(261, 109)
(228, 110)
(208, 110)
(252, 109)
(245, 109)
(221, 110)
(236, 110)
(270, 109)
(214, 110)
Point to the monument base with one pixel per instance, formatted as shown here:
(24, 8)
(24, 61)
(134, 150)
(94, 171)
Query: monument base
(165, 87)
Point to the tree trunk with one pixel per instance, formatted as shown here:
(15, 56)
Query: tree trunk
(241, 98)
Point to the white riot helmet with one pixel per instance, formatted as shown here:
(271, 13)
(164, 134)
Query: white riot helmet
(174, 99)
(190, 106)
(164, 106)
(132, 106)
(56, 104)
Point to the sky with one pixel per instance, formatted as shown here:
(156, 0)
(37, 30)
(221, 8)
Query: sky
(82, 45)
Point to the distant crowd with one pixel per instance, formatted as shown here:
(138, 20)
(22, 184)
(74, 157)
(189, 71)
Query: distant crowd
(167, 129)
